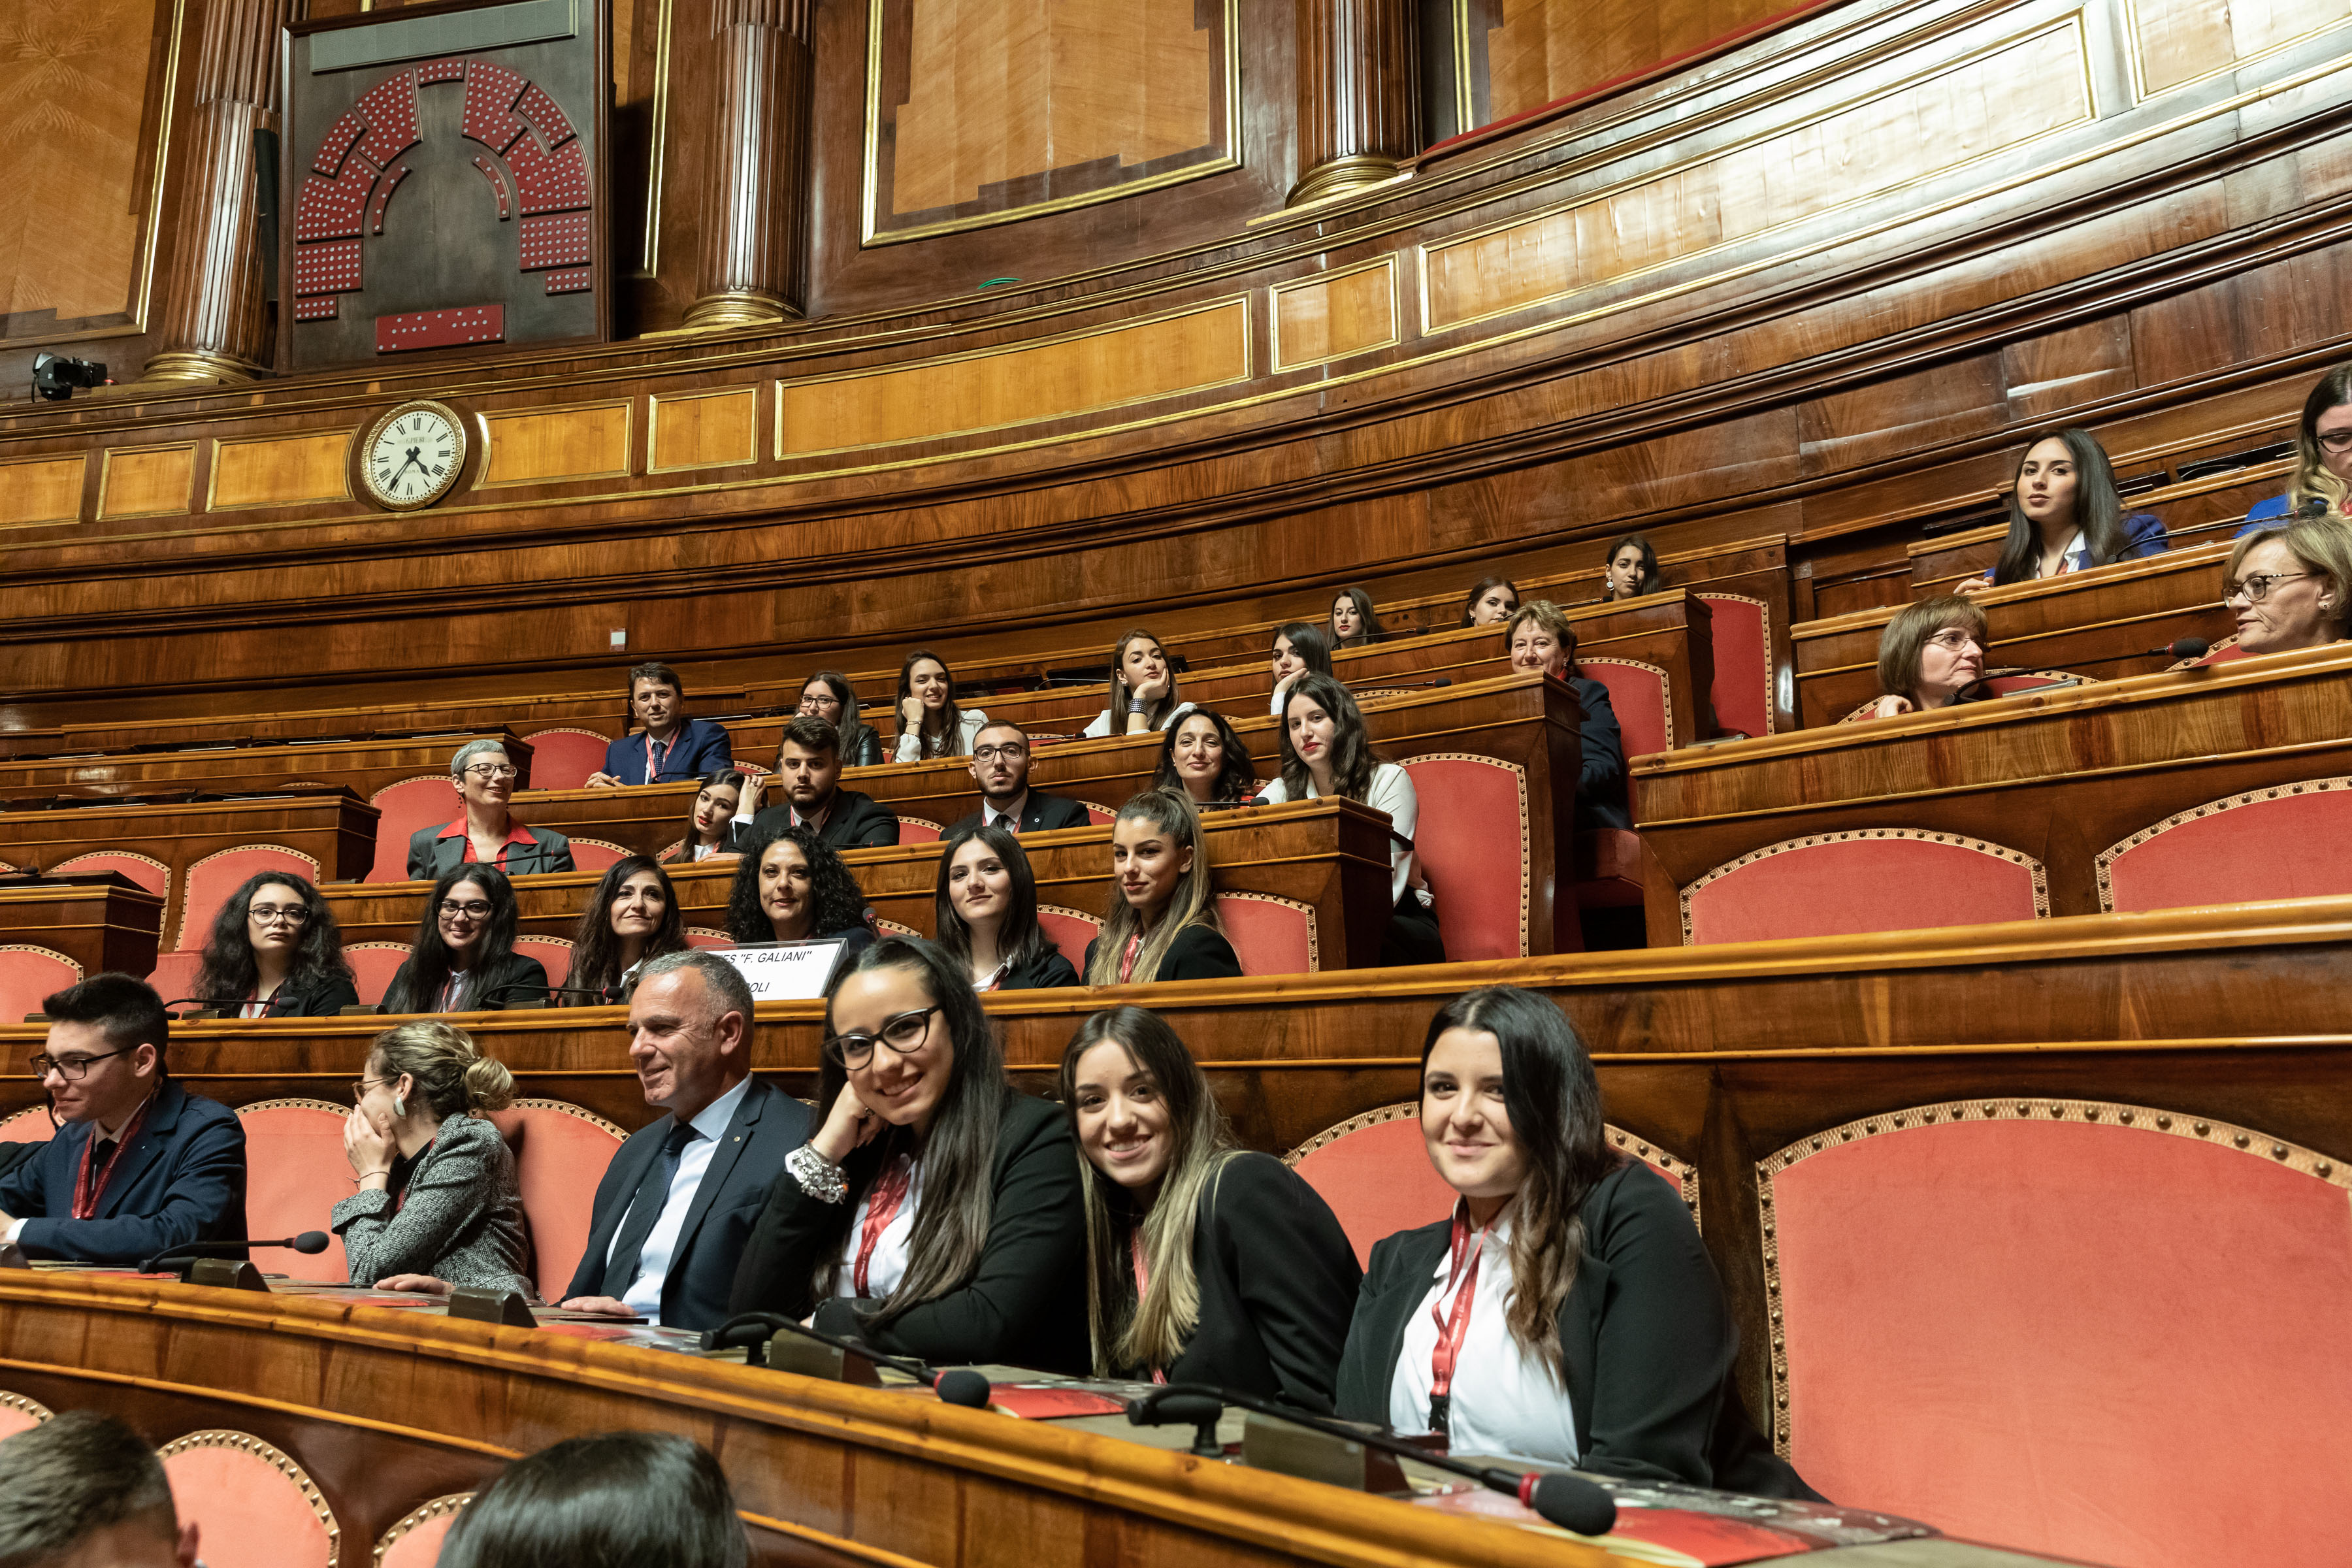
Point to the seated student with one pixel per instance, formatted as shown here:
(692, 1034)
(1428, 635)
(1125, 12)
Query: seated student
(791, 887)
(1930, 654)
(669, 747)
(1568, 1310)
(1542, 637)
(1206, 1263)
(1490, 603)
(462, 958)
(1142, 688)
(485, 831)
(84, 1490)
(138, 1163)
(1162, 920)
(651, 1499)
(277, 952)
(929, 722)
(1204, 759)
(2291, 586)
(674, 1208)
(985, 910)
(1354, 623)
(1299, 650)
(1631, 570)
(829, 696)
(1324, 753)
(2065, 516)
(438, 1202)
(1000, 766)
(631, 917)
(936, 1213)
(711, 828)
(808, 769)
(2323, 468)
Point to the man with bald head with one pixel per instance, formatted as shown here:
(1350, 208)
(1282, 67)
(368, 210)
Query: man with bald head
(677, 1203)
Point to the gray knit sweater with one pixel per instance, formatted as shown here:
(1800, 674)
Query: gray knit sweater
(460, 1221)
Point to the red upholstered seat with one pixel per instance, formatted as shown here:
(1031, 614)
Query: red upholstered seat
(563, 758)
(19, 1414)
(30, 1125)
(1639, 695)
(2289, 841)
(174, 974)
(144, 869)
(1270, 935)
(1742, 635)
(212, 879)
(560, 1151)
(1472, 840)
(1880, 879)
(253, 1505)
(553, 952)
(2057, 1329)
(702, 936)
(1070, 931)
(892, 928)
(915, 830)
(374, 963)
(412, 803)
(295, 1169)
(1608, 868)
(595, 854)
(2035, 681)
(415, 1541)
(2221, 652)
(1099, 816)
(27, 974)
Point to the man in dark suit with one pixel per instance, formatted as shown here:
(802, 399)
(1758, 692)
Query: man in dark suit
(1000, 765)
(808, 767)
(668, 747)
(676, 1205)
(139, 1164)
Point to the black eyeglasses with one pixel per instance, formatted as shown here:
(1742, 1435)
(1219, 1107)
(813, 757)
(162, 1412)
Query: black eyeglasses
(2257, 587)
(903, 1034)
(270, 915)
(471, 911)
(71, 1068)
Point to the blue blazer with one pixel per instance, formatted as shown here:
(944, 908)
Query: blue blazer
(2143, 535)
(182, 1179)
(768, 1125)
(2275, 512)
(700, 748)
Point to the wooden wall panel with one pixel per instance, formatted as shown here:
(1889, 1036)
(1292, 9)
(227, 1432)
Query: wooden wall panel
(587, 442)
(2181, 41)
(146, 481)
(42, 489)
(1335, 314)
(706, 430)
(1538, 51)
(281, 473)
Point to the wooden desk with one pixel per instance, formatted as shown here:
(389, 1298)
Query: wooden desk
(2061, 776)
(102, 921)
(364, 766)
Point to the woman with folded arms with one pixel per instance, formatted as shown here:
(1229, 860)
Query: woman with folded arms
(1490, 603)
(464, 959)
(985, 910)
(929, 722)
(829, 696)
(794, 887)
(2065, 516)
(711, 825)
(277, 952)
(1299, 650)
(1142, 690)
(2288, 585)
(1325, 752)
(1567, 1311)
(936, 1212)
(438, 1203)
(1162, 920)
(1204, 759)
(632, 916)
(1353, 622)
(1930, 655)
(1205, 1263)
(1543, 638)
(1631, 569)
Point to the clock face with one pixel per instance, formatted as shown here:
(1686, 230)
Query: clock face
(414, 455)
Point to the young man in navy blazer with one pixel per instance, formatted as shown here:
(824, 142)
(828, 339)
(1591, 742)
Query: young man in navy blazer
(139, 1164)
(667, 747)
(676, 1205)
(1000, 766)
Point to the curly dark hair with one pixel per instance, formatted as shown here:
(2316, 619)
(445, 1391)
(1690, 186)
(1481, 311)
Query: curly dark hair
(230, 971)
(840, 905)
(596, 951)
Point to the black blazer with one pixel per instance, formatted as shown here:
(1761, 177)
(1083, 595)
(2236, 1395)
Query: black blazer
(1041, 813)
(768, 1125)
(1648, 1343)
(1600, 791)
(1045, 974)
(1278, 1278)
(516, 970)
(1026, 1305)
(1199, 952)
(858, 822)
(863, 749)
(181, 1180)
(311, 997)
(429, 854)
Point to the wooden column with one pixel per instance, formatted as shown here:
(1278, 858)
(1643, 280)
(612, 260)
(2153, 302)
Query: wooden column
(1359, 94)
(754, 208)
(214, 326)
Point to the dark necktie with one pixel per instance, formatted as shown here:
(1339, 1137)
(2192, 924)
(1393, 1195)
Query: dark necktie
(645, 1211)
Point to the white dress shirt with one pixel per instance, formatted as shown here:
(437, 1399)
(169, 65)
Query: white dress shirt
(1390, 791)
(1503, 1401)
(910, 744)
(661, 1243)
(891, 1250)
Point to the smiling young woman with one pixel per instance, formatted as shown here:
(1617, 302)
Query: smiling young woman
(984, 908)
(632, 916)
(1142, 688)
(792, 886)
(1203, 759)
(462, 958)
(1162, 919)
(930, 723)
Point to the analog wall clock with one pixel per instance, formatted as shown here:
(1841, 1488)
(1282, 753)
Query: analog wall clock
(412, 457)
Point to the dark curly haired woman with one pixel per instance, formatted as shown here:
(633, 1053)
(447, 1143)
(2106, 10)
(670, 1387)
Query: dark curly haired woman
(792, 886)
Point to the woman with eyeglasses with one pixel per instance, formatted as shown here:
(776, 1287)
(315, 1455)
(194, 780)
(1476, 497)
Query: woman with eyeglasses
(936, 1212)
(464, 959)
(792, 886)
(984, 910)
(1161, 923)
(829, 696)
(930, 724)
(1299, 650)
(1542, 638)
(2323, 468)
(1205, 760)
(2064, 515)
(1567, 1311)
(1142, 688)
(2288, 585)
(632, 916)
(1205, 1263)
(485, 831)
(711, 828)
(438, 1203)
(1354, 622)
(1929, 656)
(277, 952)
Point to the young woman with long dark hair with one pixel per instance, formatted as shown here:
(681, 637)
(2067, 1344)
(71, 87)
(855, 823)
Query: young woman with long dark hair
(985, 911)
(1630, 569)
(930, 724)
(464, 959)
(1203, 759)
(827, 695)
(711, 828)
(1161, 923)
(632, 916)
(277, 952)
(1142, 688)
(1490, 602)
(1354, 623)
(2064, 515)
(1299, 650)
(791, 886)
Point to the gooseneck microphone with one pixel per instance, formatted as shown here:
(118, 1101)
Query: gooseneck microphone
(1568, 1500)
(2182, 648)
(308, 1241)
(956, 1385)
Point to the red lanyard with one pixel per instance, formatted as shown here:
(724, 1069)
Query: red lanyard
(1127, 959)
(1143, 1283)
(86, 1192)
(881, 1208)
(1453, 1327)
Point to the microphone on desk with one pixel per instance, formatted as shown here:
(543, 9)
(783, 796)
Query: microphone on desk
(1560, 1498)
(2312, 509)
(956, 1385)
(308, 1241)
(2182, 648)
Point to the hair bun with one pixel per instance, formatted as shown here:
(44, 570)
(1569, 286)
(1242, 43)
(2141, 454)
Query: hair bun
(488, 1085)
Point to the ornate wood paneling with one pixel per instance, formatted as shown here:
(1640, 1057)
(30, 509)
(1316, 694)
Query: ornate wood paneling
(146, 481)
(2176, 42)
(703, 430)
(587, 442)
(1521, 55)
(42, 489)
(283, 471)
(1349, 311)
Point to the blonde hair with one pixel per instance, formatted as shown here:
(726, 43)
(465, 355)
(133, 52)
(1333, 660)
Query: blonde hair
(450, 1074)
(2324, 545)
(1192, 903)
(2312, 479)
